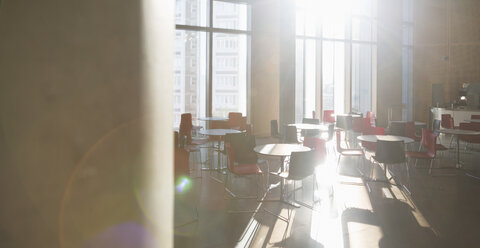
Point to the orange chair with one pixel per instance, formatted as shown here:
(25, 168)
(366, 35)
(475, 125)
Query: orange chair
(447, 121)
(328, 116)
(372, 146)
(429, 141)
(410, 131)
(371, 117)
(234, 120)
(319, 146)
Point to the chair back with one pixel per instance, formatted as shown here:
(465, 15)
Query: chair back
(397, 128)
(291, 135)
(302, 165)
(310, 132)
(365, 124)
(319, 146)
(244, 150)
(234, 120)
(230, 156)
(371, 117)
(243, 124)
(474, 139)
(339, 142)
(410, 130)
(331, 132)
(328, 116)
(344, 122)
(390, 152)
(186, 126)
(431, 140)
(372, 146)
(274, 128)
(475, 117)
(249, 129)
(311, 121)
(357, 124)
(447, 121)
(234, 139)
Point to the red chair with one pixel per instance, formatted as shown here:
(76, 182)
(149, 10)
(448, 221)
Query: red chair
(429, 141)
(249, 129)
(371, 117)
(447, 121)
(475, 117)
(234, 120)
(357, 124)
(372, 146)
(328, 116)
(185, 129)
(319, 146)
(472, 139)
(410, 131)
(243, 124)
(346, 152)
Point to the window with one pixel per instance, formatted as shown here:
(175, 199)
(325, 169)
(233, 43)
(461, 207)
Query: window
(407, 60)
(225, 90)
(335, 51)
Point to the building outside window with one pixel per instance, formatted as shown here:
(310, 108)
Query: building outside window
(216, 44)
(335, 55)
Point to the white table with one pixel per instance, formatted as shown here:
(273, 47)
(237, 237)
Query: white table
(374, 138)
(282, 151)
(218, 133)
(307, 126)
(417, 123)
(212, 118)
(458, 132)
(473, 120)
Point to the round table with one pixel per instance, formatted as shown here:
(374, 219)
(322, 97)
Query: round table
(417, 123)
(349, 115)
(220, 133)
(282, 151)
(212, 118)
(307, 126)
(473, 120)
(374, 138)
(458, 132)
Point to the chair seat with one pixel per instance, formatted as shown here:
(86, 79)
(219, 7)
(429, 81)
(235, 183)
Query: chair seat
(412, 154)
(191, 148)
(352, 152)
(246, 169)
(440, 147)
(199, 141)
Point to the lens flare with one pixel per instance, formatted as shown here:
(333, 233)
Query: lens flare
(183, 185)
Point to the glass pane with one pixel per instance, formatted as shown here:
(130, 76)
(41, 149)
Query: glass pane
(361, 29)
(362, 8)
(333, 76)
(407, 34)
(361, 77)
(190, 74)
(310, 77)
(334, 15)
(407, 82)
(191, 12)
(230, 15)
(229, 74)
(299, 67)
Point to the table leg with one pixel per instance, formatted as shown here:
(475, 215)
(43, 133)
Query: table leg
(458, 165)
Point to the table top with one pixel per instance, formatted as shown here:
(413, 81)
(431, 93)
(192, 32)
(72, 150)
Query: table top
(459, 132)
(374, 138)
(352, 115)
(218, 132)
(280, 149)
(473, 120)
(212, 118)
(417, 123)
(305, 126)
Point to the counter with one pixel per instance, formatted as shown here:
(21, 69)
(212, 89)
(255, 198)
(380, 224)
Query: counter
(459, 115)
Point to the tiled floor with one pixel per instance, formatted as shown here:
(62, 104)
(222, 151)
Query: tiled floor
(435, 211)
